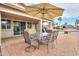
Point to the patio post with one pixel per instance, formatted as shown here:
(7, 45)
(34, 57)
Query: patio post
(0, 33)
(50, 25)
(0, 28)
(40, 26)
(26, 26)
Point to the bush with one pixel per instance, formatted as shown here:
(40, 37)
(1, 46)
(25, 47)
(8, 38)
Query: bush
(66, 32)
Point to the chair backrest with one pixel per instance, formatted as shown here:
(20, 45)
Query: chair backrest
(54, 35)
(26, 37)
(49, 31)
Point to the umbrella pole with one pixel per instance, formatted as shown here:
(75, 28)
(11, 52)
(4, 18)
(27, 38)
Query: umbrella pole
(42, 21)
(41, 26)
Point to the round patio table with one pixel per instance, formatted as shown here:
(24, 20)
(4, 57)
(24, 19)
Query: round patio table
(39, 35)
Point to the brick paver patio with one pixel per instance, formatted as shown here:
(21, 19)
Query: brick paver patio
(65, 45)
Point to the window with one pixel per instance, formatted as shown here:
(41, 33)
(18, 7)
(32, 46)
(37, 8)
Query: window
(29, 25)
(5, 24)
(23, 25)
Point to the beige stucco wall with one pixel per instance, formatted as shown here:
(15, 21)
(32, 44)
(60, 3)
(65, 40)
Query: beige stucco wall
(7, 32)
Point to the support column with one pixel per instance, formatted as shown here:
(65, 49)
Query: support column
(12, 28)
(26, 26)
(50, 24)
(40, 26)
(0, 28)
(0, 33)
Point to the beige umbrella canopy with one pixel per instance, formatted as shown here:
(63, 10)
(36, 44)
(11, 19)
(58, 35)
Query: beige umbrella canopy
(44, 11)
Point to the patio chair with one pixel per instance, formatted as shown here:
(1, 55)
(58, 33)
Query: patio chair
(49, 31)
(43, 40)
(54, 36)
(46, 40)
(33, 43)
(0, 51)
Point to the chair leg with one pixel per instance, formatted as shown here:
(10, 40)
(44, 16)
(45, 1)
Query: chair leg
(38, 46)
(47, 49)
(27, 49)
(0, 51)
(52, 45)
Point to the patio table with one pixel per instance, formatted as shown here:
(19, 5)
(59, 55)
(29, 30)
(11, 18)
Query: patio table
(39, 35)
(45, 34)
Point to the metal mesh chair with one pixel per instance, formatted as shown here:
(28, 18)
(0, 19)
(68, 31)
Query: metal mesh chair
(54, 36)
(33, 43)
(49, 31)
(0, 51)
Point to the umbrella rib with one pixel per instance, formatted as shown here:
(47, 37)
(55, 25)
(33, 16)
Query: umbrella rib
(54, 13)
(45, 18)
(31, 11)
(32, 7)
(55, 9)
(36, 13)
(49, 15)
(43, 12)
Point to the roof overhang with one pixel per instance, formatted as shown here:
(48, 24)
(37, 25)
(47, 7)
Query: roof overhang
(15, 17)
(13, 13)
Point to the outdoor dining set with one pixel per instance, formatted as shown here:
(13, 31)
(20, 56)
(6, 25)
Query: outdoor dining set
(36, 39)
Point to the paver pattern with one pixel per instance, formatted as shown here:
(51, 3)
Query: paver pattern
(65, 45)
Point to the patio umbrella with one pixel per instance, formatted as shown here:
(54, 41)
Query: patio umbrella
(44, 11)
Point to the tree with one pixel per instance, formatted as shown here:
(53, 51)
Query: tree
(65, 23)
(57, 24)
(60, 19)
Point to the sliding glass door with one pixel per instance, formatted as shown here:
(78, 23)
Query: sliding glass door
(23, 26)
(19, 27)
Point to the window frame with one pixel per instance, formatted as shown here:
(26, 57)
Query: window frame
(29, 25)
(6, 26)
